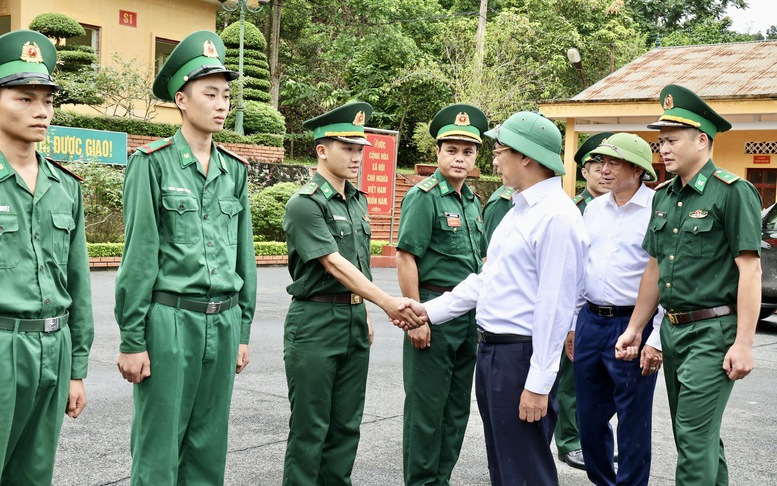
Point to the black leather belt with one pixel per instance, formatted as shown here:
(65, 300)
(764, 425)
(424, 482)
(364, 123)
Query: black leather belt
(435, 288)
(491, 338)
(610, 310)
(344, 298)
(698, 315)
(49, 324)
(213, 307)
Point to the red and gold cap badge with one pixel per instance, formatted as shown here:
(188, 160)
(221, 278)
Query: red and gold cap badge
(359, 119)
(462, 119)
(668, 102)
(209, 49)
(31, 53)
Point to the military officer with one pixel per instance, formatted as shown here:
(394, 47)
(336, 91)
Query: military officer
(186, 288)
(46, 326)
(439, 245)
(566, 432)
(704, 239)
(326, 342)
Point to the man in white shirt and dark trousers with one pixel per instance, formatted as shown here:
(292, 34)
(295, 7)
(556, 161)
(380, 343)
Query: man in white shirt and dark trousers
(616, 223)
(525, 299)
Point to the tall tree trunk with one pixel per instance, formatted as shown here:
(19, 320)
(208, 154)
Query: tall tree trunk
(275, 40)
(480, 44)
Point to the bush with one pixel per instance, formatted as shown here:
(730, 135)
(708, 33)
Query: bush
(270, 248)
(56, 25)
(256, 95)
(255, 83)
(252, 37)
(96, 250)
(256, 72)
(259, 118)
(102, 189)
(376, 246)
(267, 209)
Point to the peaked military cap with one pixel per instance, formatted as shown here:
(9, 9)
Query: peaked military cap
(459, 122)
(199, 54)
(631, 148)
(583, 153)
(683, 109)
(345, 123)
(533, 135)
(27, 57)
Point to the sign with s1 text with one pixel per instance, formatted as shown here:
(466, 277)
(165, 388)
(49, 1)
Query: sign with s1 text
(130, 19)
(379, 164)
(84, 145)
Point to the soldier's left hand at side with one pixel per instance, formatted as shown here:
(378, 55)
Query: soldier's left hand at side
(242, 358)
(76, 398)
(738, 362)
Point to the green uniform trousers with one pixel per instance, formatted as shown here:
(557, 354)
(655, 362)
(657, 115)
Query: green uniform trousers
(698, 390)
(181, 412)
(438, 391)
(566, 433)
(34, 385)
(326, 351)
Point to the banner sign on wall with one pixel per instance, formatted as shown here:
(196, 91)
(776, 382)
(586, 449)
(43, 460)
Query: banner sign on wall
(379, 164)
(81, 144)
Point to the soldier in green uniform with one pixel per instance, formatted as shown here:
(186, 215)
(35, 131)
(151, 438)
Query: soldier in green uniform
(186, 288)
(496, 207)
(566, 432)
(326, 337)
(704, 239)
(46, 326)
(439, 245)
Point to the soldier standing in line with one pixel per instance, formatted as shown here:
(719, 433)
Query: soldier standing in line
(439, 245)
(186, 288)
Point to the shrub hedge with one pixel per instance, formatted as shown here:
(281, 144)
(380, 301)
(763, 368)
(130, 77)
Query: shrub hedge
(262, 248)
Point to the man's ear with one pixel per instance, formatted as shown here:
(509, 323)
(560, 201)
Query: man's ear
(321, 151)
(180, 100)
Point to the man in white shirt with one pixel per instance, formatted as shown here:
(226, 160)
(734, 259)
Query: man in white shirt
(525, 299)
(616, 223)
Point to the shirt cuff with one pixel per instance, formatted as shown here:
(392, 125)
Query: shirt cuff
(437, 310)
(654, 339)
(540, 382)
(132, 342)
(79, 367)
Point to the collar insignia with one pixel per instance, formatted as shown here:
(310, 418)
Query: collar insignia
(31, 53)
(358, 120)
(698, 214)
(209, 49)
(668, 102)
(462, 119)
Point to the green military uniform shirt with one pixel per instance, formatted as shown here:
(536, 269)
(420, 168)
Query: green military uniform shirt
(43, 251)
(318, 222)
(582, 200)
(185, 233)
(696, 231)
(444, 231)
(497, 206)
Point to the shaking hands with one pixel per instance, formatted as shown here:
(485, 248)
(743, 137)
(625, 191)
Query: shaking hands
(406, 313)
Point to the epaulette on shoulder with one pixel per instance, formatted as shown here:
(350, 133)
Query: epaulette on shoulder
(233, 155)
(726, 176)
(507, 193)
(152, 147)
(578, 199)
(63, 169)
(428, 184)
(308, 188)
(663, 184)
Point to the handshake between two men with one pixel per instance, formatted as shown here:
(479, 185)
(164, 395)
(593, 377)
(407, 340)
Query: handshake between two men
(408, 314)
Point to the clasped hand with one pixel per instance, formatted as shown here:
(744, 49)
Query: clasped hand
(407, 314)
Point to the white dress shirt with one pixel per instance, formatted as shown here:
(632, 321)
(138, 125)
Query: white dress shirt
(616, 260)
(531, 280)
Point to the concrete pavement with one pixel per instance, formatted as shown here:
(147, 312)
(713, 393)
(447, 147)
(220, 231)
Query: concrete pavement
(94, 449)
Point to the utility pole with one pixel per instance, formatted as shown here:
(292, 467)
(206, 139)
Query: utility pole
(275, 41)
(480, 41)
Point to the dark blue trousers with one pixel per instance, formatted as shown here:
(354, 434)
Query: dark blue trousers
(606, 386)
(518, 452)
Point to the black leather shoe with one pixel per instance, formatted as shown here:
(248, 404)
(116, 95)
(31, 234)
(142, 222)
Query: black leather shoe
(573, 458)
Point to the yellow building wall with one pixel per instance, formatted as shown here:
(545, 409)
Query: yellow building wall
(167, 19)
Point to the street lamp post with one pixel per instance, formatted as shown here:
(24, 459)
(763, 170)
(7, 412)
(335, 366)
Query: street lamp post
(574, 57)
(241, 6)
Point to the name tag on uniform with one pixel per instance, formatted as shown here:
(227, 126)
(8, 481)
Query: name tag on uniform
(454, 220)
(337, 217)
(660, 214)
(5, 208)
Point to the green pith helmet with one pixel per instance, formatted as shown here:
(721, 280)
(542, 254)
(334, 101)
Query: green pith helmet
(459, 122)
(27, 57)
(631, 148)
(199, 54)
(345, 123)
(684, 109)
(533, 135)
(583, 153)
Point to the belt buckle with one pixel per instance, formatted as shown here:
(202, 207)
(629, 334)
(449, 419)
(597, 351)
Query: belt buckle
(606, 311)
(213, 308)
(356, 299)
(51, 324)
(672, 318)
(481, 336)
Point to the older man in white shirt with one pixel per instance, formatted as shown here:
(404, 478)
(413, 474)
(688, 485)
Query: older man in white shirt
(525, 299)
(616, 223)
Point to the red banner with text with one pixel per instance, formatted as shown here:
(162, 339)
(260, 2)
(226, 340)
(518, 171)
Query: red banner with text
(379, 164)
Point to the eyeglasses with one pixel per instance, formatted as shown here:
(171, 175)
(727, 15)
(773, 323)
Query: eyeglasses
(496, 151)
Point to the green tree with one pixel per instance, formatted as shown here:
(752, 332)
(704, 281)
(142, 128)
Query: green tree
(267, 209)
(255, 80)
(707, 32)
(102, 190)
(125, 85)
(771, 32)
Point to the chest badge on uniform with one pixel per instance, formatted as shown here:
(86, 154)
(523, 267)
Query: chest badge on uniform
(698, 214)
(454, 219)
(337, 217)
(660, 214)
